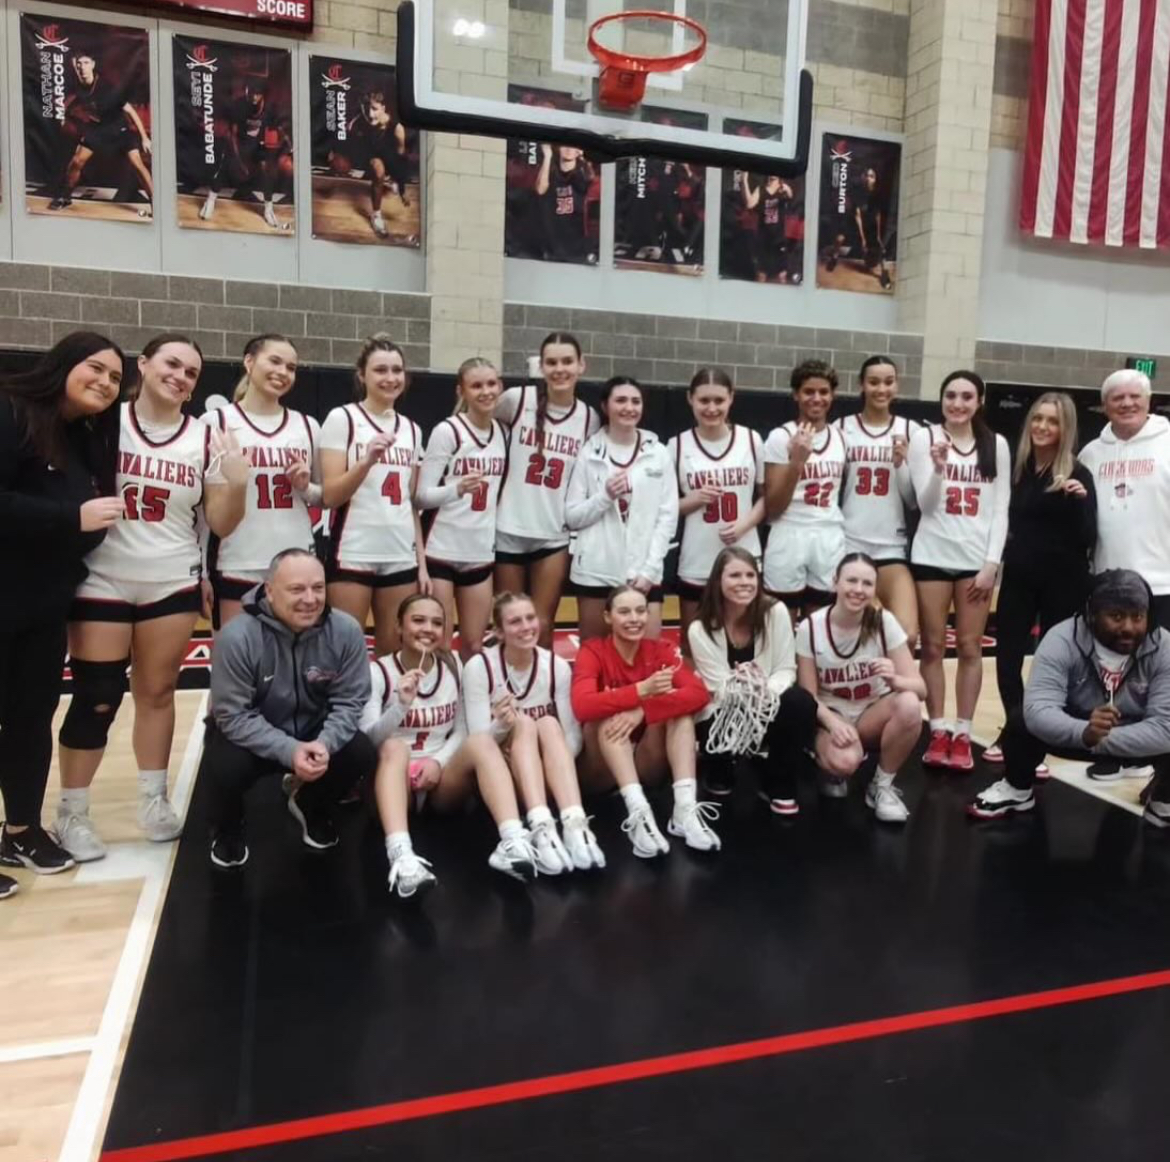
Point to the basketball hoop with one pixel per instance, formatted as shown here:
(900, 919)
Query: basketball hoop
(623, 74)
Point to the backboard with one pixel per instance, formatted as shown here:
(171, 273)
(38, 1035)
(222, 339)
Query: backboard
(478, 66)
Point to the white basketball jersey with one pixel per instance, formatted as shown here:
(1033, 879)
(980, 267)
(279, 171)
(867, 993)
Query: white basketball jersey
(160, 481)
(535, 692)
(464, 529)
(871, 500)
(376, 526)
(845, 683)
(817, 499)
(736, 468)
(276, 516)
(533, 500)
(433, 715)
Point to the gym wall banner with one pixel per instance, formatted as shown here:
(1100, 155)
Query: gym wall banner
(295, 13)
(233, 137)
(365, 161)
(660, 216)
(857, 240)
(87, 119)
(553, 192)
(763, 219)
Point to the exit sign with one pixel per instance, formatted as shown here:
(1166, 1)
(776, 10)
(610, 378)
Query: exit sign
(1143, 364)
(295, 13)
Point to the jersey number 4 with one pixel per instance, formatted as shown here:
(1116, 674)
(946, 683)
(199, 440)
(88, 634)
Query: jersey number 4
(819, 494)
(274, 492)
(873, 482)
(392, 487)
(962, 502)
(548, 472)
(148, 504)
(724, 508)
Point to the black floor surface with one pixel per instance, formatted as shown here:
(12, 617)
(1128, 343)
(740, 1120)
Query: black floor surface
(299, 988)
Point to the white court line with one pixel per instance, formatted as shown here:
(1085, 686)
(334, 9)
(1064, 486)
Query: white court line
(38, 1050)
(87, 1121)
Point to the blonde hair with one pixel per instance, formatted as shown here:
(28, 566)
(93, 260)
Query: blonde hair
(501, 602)
(1065, 459)
(464, 367)
(254, 347)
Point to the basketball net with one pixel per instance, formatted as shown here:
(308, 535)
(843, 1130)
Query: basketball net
(744, 713)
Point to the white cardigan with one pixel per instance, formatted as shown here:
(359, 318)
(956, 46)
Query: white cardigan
(775, 655)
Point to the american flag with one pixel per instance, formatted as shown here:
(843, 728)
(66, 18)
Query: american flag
(1097, 153)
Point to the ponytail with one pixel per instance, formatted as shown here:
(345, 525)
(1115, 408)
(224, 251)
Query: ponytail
(255, 345)
(542, 387)
(464, 367)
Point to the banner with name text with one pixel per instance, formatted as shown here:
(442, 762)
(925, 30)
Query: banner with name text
(295, 13)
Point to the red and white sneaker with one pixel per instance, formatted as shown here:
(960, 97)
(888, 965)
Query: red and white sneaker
(1042, 772)
(938, 753)
(961, 757)
(993, 754)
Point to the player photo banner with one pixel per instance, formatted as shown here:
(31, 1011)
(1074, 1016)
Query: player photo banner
(233, 137)
(763, 219)
(553, 199)
(661, 214)
(87, 119)
(365, 161)
(857, 242)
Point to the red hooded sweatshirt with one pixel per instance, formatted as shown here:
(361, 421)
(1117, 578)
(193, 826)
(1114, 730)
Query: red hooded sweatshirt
(605, 685)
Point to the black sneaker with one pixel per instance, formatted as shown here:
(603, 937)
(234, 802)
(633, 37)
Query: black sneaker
(8, 887)
(62, 202)
(229, 849)
(317, 830)
(35, 849)
(719, 779)
(885, 281)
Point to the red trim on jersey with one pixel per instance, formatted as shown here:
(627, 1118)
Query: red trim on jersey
(832, 644)
(352, 431)
(630, 461)
(309, 434)
(531, 675)
(374, 423)
(471, 431)
(567, 416)
(438, 675)
(791, 428)
(873, 435)
(386, 680)
(260, 431)
(955, 447)
(184, 421)
(605, 684)
(699, 444)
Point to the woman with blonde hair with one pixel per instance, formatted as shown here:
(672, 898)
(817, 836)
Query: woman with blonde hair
(1052, 528)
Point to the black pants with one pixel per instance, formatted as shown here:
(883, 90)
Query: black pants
(230, 771)
(31, 661)
(1161, 610)
(790, 733)
(1023, 752)
(1025, 597)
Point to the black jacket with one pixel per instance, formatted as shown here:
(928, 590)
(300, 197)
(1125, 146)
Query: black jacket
(41, 542)
(1051, 530)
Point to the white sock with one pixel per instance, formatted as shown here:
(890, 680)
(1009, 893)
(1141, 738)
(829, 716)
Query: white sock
(939, 724)
(539, 815)
(572, 815)
(883, 778)
(511, 829)
(152, 783)
(75, 800)
(684, 793)
(963, 727)
(634, 797)
(398, 843)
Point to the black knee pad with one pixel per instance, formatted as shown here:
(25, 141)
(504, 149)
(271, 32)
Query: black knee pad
(98, 688)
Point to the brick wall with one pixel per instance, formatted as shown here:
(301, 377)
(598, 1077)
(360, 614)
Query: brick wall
(1013, 54)
(1051, 366)
(665, 349)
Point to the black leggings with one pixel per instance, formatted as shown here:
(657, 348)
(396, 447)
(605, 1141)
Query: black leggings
(31, 661)
(789, 735)
(1025, 597)
(230, 771)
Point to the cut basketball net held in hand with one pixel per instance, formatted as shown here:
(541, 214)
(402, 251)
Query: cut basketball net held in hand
(744, 713)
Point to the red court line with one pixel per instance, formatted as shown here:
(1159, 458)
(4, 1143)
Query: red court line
(491, 1095)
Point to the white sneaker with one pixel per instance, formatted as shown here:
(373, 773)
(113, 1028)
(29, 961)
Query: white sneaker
(157, 818)
(551, 857)
(582, 845)
(379, 224)
(689, 823)
(642, 828)
(78, 836)
(208, 208)
(270, 216)
(999, 799)
(1157, 813)
(834, 787)
(515, 858)
(409, 875)
(886, 803)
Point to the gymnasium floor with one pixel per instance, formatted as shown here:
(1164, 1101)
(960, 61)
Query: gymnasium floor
(825, 987)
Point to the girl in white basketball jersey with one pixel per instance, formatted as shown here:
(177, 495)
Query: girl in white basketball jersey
(369, 468)
(877, 489)
(142, 596)
(282, 447)
(961, 472)
(720, 472)
(548, 425)
(623, 502)
(464, 466)
(415, 717)
(854, 659)
(805, 462)
(518, 692)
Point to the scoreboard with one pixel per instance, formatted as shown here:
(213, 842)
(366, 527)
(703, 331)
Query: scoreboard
(292, 13)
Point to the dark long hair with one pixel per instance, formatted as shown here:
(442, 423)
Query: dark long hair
(611, 385)
(873, 361)
(984, 436)
(377, 342)
(710, 377)
(542, 387)
(712, 614)
(36, 394)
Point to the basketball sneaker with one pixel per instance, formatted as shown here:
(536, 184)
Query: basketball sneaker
(157, 818)
(834, 787)
(317, 830)
(999, 800)
(779, 806)
(582, 845)
(515, 858)
(207, 210)
(61, 202)
(229, 849)
(961, 758)
(8, 887)
(689, 823)
(642, 828)
(1112, 771)
(379, 224)
(35, 849)
(1157, 813)
(78, 836)
(885, 801)
(993, 753)
(551, 857)
(270, 216)
(938, 753)
(410, 875)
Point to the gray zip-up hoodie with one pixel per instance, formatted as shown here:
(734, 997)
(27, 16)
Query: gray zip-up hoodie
(272, 689)
(1065, 687)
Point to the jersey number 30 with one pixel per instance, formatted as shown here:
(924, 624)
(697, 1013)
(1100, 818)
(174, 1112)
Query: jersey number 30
(724, 508)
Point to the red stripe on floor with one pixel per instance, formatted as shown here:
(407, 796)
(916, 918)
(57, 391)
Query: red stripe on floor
(491, 1095)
